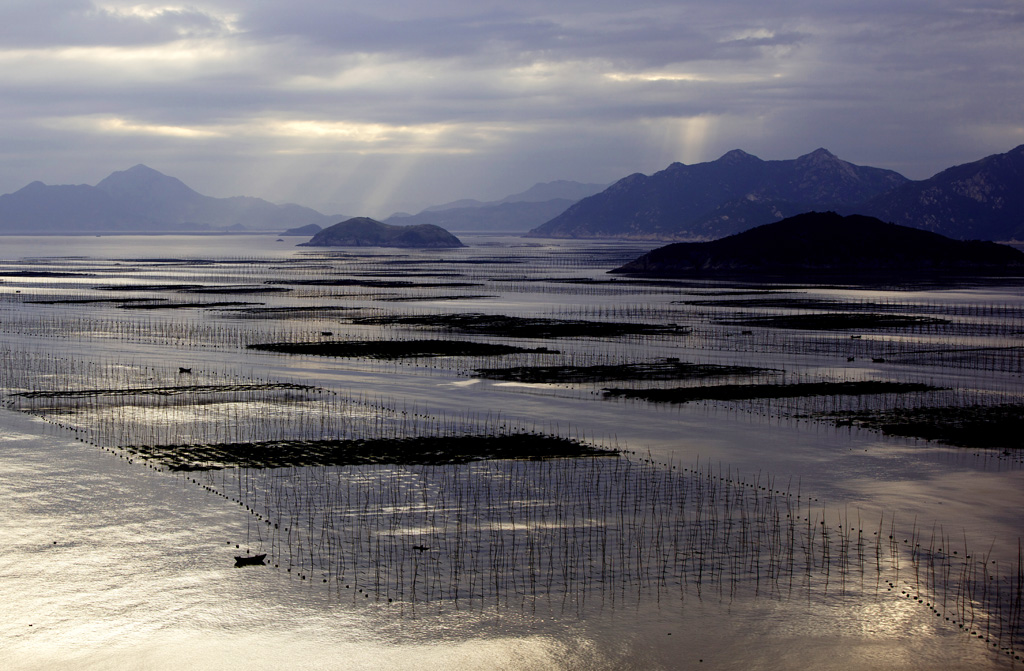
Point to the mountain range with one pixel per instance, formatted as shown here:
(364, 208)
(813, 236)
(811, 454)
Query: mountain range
(982, 200)
(516, 213)
(142, 200)
(705, 201)
(709, 200)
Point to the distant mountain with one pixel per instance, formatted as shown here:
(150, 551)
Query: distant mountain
(41, 209)
(980, 200)
(142, 200)
(709, 200)
(560, 189)
(366, 232)
(516, 213)
(511, 217)
(818, 243)
(309, 229)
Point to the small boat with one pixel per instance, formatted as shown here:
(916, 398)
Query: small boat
(255, 560)
(184, 371)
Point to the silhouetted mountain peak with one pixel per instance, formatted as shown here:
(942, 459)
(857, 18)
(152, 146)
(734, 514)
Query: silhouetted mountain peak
(140, 199)
(738, 156)
(34, 186)
(141, 169)
(819, 154)
(823, 161)
(708, 200)
(982, 199)
(141, 180)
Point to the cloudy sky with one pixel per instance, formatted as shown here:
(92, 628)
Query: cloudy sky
(370, 108)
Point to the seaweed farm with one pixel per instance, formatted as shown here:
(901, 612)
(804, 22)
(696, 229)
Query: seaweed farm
(502, 445)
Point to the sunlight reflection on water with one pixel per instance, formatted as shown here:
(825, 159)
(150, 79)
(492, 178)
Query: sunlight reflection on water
(106, 564)
(140, 568)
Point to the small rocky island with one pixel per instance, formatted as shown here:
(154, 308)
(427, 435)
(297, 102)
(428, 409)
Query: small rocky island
(366, 232)
(826, 243)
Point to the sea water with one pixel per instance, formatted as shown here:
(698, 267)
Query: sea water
(107, 563)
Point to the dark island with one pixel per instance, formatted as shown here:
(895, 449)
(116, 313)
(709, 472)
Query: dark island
(366, 232)
(826, 243)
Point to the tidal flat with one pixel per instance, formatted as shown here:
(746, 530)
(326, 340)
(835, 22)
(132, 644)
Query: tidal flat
(481, 501)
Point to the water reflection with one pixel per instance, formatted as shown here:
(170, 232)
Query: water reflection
(141, 577)
(141, 572)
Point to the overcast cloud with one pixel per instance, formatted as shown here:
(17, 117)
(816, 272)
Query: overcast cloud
(366, 110)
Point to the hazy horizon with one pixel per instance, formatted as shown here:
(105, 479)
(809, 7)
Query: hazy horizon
(399, 107)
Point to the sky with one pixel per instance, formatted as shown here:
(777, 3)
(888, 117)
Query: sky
(366, 109)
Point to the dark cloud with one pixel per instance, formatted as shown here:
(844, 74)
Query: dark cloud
(674, 34)
(38, 24)
(402, 104)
